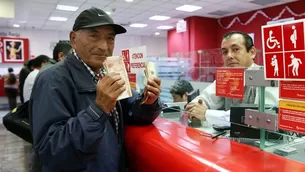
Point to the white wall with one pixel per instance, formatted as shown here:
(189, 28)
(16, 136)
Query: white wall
(42, 42)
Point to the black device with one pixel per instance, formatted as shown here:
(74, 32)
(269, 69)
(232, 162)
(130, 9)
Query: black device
(171, 109)
(192, 95)
(241, 130)
(221, 127)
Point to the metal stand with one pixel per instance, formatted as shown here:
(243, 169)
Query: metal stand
(261, 108)
(256, 78)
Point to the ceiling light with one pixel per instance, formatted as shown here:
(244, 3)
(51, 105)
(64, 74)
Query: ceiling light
(66, 8)
(188, 8)
(58, 18)
(139, 25)
(108, 12)
(128, 0)
(16, 25)
(165, 27)
(157, 33)
(160, 18)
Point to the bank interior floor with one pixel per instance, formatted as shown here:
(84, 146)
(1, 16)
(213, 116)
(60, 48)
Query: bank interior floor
(14, 152)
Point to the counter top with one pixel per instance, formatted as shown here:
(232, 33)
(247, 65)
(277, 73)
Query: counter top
(169, 146)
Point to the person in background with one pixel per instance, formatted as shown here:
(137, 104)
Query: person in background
(37, 64)
(24, 72)
(180, 89)
(238, 51)
(11, 88)
(77, 121)
(60, 51)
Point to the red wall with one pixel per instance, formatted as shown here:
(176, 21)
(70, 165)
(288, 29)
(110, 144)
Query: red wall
(178, 42)
(200, 34)
(205, 33)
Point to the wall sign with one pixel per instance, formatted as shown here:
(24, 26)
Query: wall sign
(284, 50)
(9, 34)
(181, 26)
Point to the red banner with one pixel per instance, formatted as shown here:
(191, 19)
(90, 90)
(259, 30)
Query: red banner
(125, 54)
(293, 90)
(132, 80)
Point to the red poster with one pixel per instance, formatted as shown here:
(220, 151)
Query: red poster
(274, 65)
(132, 80)
(14, 50)
(284, 51)
(125, 54)
(272, 37)
(230, 82)
(293, 90)
(295, 62)
(292, 116)
(294, 36)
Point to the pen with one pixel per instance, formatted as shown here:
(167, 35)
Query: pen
(217, 135)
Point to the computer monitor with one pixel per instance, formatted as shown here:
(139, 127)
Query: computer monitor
(241, 130)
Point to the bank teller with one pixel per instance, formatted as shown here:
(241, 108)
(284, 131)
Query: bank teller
(180, 89)
(238, 51)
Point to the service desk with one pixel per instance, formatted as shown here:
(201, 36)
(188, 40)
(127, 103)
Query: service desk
(168, 146)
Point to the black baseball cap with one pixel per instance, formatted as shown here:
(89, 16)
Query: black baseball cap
(94, 17)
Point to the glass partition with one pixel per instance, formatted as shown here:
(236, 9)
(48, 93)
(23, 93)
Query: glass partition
(231, 119)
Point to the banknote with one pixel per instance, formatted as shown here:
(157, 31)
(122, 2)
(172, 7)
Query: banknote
(115, 64)
(150, 70)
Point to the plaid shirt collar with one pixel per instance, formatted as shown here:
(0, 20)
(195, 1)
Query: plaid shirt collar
(95, 76)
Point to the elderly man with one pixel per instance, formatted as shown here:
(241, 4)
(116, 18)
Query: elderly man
(77, 122)
(238, 51)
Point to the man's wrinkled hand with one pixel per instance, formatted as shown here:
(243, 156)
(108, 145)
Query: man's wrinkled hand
(196, 110)
(152, 91)
(108, 90)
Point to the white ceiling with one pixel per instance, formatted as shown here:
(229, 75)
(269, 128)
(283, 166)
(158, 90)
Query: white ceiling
(34, 14)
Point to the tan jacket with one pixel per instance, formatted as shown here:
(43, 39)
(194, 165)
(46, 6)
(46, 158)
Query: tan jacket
(6, 84)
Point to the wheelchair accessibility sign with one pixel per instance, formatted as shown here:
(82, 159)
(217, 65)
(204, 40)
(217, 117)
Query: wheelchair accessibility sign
(284, 50)
(272, 42)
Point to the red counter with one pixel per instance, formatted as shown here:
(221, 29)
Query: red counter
(168, 146)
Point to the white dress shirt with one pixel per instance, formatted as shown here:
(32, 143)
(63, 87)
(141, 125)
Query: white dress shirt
(28, 84)
(221, 117)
